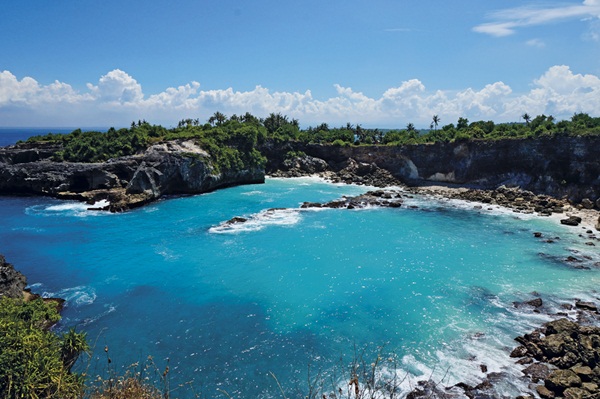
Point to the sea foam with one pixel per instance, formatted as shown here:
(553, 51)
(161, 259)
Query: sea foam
(259, 221)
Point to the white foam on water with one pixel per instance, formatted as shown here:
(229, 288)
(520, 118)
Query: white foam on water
(168, 254)
(74, 296)
(253, 193)
(29, 229)
(110, 308)
(69, 208)
(259, 221)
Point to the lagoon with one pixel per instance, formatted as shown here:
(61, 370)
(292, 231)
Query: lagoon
(430, 285)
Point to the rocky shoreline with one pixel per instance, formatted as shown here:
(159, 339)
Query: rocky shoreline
(168, 168)
(13, 284)
(350, 171)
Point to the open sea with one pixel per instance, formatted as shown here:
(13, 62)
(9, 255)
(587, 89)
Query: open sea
(293, 293)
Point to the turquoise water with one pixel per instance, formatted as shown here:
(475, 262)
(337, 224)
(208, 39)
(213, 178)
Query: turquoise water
(225, 306)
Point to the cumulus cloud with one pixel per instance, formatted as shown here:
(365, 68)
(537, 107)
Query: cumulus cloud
(118, 87)
(28, 91)
(118, 98)
(506, 22)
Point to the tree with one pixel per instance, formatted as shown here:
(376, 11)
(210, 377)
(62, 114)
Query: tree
(462, 124)
(526, 118)
(249, 118)
(436, 121)
(73, 344)
(218, 119)
(275, 121)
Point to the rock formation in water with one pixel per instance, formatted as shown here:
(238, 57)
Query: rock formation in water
(174, 167)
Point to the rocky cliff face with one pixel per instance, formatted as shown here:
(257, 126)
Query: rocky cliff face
(12, 283)
(561, 166)
(177, 167)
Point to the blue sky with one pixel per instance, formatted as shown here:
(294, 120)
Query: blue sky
(378, 63)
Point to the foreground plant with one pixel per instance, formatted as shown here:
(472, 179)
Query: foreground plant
(35, 362)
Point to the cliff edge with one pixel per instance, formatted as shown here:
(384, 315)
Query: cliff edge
(562, 166)
(172, 167)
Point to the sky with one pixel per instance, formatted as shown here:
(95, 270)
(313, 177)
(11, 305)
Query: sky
(379, 63)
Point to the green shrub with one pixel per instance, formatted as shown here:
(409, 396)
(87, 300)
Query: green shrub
(34, 362)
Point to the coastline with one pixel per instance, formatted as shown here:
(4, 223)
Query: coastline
(590, 218)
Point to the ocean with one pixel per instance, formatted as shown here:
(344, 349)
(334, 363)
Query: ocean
(425, 291)
(10, 135)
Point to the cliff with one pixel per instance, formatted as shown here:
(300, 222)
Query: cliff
(174, 167)
(566, 167)
(561, 166)
(12, 282)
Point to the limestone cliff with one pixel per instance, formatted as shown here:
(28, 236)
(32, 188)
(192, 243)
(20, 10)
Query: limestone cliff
(175, 167)
(560, 166)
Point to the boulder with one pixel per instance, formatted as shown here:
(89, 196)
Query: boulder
(536, 303)
(537, 372)
(559, 380)
(576, 393)
(561, 325)
(586, 306)
(544, 392)
(587, 203)
(571, 221)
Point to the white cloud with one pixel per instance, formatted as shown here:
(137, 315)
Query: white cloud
(536, 43)
(28, 91)
(118, 99)
(506, 22)
(117, 86)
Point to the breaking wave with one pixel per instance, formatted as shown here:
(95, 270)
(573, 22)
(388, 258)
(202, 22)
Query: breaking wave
(258, 221)
(74, 296)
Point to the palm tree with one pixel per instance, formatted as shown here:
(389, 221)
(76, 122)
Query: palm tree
(436, 121)
(527, 118)
(73, 344)
(217, 119)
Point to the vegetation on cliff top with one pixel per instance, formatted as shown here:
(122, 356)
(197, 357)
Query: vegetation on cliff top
(231, 144)
(233, 141)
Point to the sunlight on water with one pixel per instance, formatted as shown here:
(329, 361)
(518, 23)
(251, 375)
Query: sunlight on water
(226, 303)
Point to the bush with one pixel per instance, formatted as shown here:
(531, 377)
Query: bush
(34, 362)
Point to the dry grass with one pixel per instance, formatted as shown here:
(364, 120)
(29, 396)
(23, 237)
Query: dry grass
(126, 388)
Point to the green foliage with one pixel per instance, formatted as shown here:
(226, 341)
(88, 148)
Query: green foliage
(294, 154)
(232, 142)
(94, 146)
(34, 362)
